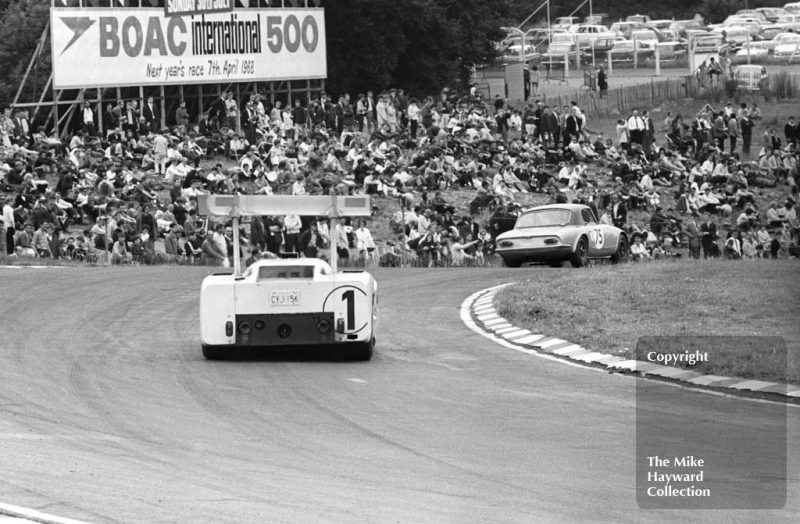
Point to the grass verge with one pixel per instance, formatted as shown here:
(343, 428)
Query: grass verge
(608, 308)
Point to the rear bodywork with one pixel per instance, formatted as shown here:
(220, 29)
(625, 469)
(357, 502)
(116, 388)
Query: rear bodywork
(290, 302)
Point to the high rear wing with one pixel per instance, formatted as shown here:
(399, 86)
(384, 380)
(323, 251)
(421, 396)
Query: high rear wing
(265, 205)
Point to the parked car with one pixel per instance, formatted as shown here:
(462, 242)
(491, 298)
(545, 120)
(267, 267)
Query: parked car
(600, 49)
(793, 8)
(513, 53)
(754, 25)
(562, 38)
(750, 77)
(597, 19)
(772, 13)
(752, 12)
(736, 36)
(788, 22)
(623, 51)
(783, 38)
(770, 32)
(555, 233)
(644, 19)
(589, 33)
(755, 50)
(660, 24)
(624, 29)
(681, 26)
(564, 22)
(557, 53)
(669, 51)
(789, 46)
(648, 37)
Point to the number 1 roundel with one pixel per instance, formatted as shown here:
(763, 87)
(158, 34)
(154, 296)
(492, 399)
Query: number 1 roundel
(350, 303)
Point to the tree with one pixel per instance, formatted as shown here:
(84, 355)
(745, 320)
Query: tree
(21, 25)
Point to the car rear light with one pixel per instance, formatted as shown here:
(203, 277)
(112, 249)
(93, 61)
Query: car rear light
(550, 241)
(506, 243)
(245, 328)
(284, 331)
(323, 326)
(229, 329)
(260, 325)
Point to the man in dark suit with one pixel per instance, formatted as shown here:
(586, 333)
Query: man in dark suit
(217, 111)
(708, 232)
(150, 114)
(21, 125)
(619, 213)
(791, 131)
(258, 234)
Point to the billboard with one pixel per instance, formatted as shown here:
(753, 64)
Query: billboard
(132, 47)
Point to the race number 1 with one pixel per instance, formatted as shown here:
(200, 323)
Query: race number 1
(351, 305)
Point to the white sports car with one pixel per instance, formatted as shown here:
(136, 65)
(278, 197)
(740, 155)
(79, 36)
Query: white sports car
(289, 302)
(556, 233)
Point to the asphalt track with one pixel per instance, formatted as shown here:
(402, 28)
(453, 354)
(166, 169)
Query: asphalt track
(108, 413)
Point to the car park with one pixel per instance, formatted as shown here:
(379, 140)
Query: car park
(770, 32)
(755, 50)
(514, 53)
(290, 302)
(555, 233)
(597, 19)
(661, 25)
(755, 13)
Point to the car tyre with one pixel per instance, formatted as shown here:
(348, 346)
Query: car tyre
(623, 249)
(213, 352)
(580, 258)
(361, 351)
(511, 262)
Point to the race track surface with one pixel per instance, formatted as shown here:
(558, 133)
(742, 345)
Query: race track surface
(109, 414)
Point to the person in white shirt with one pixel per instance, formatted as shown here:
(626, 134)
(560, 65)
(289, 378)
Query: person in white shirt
(638, 250)
(299, 185)
(177, 170)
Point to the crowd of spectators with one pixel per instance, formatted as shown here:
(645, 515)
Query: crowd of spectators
(121, 191)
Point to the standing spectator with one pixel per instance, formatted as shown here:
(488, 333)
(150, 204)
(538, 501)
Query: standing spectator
(708, 231)
(720, 130)
(635, 128)
(648, 134)
(746, 125)
(231, 112)
(150, 114)
(88, 120)
(300, 118)
(182, 116)
(160, 147)
(602, 82)
(791, 131)
(10, 225)
(692, 233)
(734, 133)
(499, 104)
(619, 213)
(292, 226)
(413, 113)
(535, 78)
(171, 246)
(622, 135)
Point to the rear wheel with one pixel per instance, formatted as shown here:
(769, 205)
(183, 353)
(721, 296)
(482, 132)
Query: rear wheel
(580, 258)
(623, 249)
(511, 262)
(214, 352)
(361, 351)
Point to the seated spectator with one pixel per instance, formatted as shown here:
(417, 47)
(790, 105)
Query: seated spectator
(638, 249)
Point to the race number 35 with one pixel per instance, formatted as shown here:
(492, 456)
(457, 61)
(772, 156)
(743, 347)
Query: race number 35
(291, 33)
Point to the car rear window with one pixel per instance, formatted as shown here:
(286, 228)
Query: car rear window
(544, 218)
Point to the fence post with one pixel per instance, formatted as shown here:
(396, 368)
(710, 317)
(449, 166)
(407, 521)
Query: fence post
(658, 61)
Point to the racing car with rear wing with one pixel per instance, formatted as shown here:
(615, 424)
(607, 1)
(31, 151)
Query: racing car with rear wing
(288, 302)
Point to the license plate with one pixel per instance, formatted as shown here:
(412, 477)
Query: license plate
(284, 298)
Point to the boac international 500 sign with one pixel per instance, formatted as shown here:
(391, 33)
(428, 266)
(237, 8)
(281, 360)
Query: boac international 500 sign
(129, 47)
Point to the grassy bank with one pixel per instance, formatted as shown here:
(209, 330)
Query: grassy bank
(608, 308)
